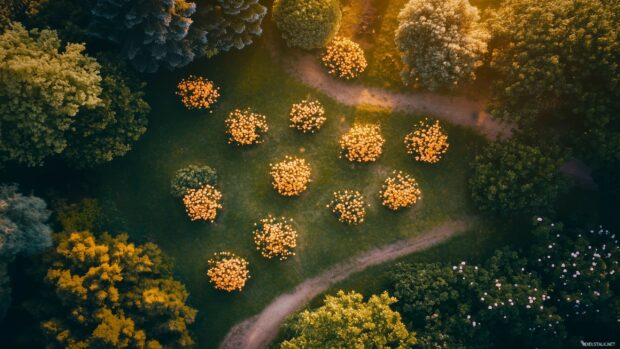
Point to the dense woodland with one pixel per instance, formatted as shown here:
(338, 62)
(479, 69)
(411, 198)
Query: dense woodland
(77, 82)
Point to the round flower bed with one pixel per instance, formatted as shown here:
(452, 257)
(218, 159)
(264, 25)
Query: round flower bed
(245, 127)
(202, 204)
(362, 143)
(197, 92)
(400, 190)
(307, 116)
(228, 272)
(428, 142)
(349, 206)
(290, 176)
(344, 58)
(275, 237)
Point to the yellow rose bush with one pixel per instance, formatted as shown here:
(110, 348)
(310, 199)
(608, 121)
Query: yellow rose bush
(400, 190)
(349, 206)
(307, 116)
(203, 203)
(428, 142)
(290, 176)
(245, 127)
(275, 237)
(362, 143)
(344, 58)
(228, 272)
(197, 92)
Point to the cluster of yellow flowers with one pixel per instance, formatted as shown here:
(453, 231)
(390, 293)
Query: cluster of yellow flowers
(428, 142)
(245, 127)
(197, 92)
(228, 272)
(400, 190)
(290, 176)
(307, 116)
(363, 143)
(275, 237)
(344, 58)
(349, 206)
(202, 204)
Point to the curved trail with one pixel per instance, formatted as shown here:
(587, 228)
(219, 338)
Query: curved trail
(259, 331)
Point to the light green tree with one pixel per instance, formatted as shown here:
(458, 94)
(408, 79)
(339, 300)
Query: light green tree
(43, 86)
(441, 41)
(346, 321)
(307, 23)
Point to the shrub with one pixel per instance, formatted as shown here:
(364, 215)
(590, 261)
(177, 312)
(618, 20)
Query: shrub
(307, 23)
(442, 42)
(363, 143)
(245, 127)
(427, 143)
(400, 190)
(202, 204)
(344, 58)
(307, 116)
(290, 176)
(192, 177)
(228, 272)
(197, 92)
(275, 237)
(349, 206)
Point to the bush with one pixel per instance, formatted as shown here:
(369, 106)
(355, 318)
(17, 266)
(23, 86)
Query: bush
(344, 58)
(275, 237)
(362, 143)
(192, 177)
(228, 272)
(349, 206)
(400, 190)
(202, 204)
(427, 143)
(307, 116)
(307, 23)
(513, 178)
(245, 127)
(198, 92)
(442, 42)
(291, 176)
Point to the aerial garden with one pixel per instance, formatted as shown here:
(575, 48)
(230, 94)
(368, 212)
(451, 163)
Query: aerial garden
(309, 173)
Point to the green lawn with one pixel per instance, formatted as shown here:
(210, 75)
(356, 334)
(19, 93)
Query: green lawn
(139, 184)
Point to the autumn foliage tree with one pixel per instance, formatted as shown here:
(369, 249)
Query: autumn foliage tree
(245, 127)
(275, 237)
(290, 177)
(228, 272)
(202, 204)
(109, 292)
(400, 190)
(428, 142)
(362, 143)
(197, 92)
(344, 58)
(349, 206)
(307, 116)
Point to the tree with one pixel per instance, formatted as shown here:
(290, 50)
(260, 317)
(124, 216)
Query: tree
(307, 23)
(511, 178)
(42, 88)
(230, 23)
(193, 176)
(152, 33)
(559, 68)
(346, 321)
(108, 292)
(108, 131)
(442, 42)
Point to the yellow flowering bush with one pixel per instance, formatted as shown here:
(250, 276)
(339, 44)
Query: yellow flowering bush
(344, 58)
(228, 272)
(245, 127)
(290, 176)
(202, 204)
(362, 143)
(428, 142)
(307, 116)
(400, 190)
(197, 92)
(275, 237)
(349, 206)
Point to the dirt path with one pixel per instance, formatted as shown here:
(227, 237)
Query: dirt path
(259, 331)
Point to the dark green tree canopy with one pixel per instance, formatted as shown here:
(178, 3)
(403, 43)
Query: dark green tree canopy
(194, 176)
(307, 23)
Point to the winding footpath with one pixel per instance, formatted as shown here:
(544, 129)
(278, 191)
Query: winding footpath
(259, 331)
